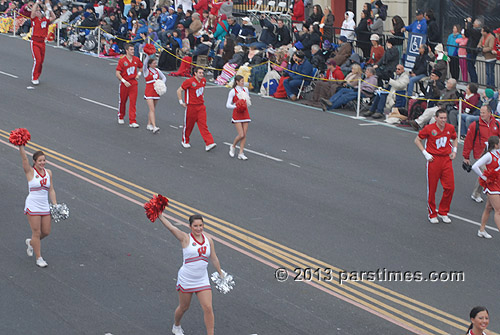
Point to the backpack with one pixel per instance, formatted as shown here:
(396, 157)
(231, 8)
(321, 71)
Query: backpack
(416, 108)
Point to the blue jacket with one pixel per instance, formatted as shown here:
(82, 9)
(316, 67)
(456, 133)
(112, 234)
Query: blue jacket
(419, 27)
(451, 41)
(304, 68)
(141, 30)
(168, 22)
(235, 29)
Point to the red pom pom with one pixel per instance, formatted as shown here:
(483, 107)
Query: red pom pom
(149, 49)
(19, 137)
(491, 178)
(155, 207)
(241, 106)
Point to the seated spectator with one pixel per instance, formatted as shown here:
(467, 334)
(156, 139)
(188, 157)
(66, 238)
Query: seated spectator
(267, 36)
(234, 28)
(386, 66)
(376, 52)
(441, 61)
(385, 99)
(317, 60)
(273, 77)
(343, 52)
(247, 32)
(490, 98)
(239, 58)
(194, 29)
(326, 88)
(89, 18)
(222, 28)
(420, 68)
(450, 93)
(203, 48)
(344, 95)
(312, 37)
(300, 67)
(470, 110)
(283, 36)
(348, 27)
(167, 24)
(223, 55)
(354, 59)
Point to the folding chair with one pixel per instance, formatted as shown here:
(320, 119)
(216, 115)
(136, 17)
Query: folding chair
(306, 85)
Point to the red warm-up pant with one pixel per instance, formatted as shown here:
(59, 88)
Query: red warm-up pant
(440, 168)
(38, 53)
(196, 114)
(125, 94)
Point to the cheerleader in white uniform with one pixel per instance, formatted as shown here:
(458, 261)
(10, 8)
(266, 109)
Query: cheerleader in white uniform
(197, 249)
(480, 319)
(241, 117)
(37, 202)
(152, 74)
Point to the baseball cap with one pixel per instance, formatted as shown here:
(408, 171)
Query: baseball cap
(437, 73)
(374, 37)
(331, 62)
(419, 12)
(343, 39)
(246, 18)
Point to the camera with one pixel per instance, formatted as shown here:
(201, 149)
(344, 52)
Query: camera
(466, 167)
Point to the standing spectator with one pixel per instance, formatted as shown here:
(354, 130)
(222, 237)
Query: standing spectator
(301, 67)
(283, 36)
(489, 162)
(439, 155)
(462, 55)
(397, 25)
(363, 34)
(473, 33)
(376, 52)
(478, 134)
(234, 28)
(127, 5)
(496, 48)
(420, 68)
(433, 32)
(453, 51)
(486, 45)
(298, 11)
(348, 27)
(200, 6)
(326, 25)
(316, 15)
(377, 26)
(386, 66)
(40, 26)
(127, 72)
(196, 112)
(470, 112)
(419, 26)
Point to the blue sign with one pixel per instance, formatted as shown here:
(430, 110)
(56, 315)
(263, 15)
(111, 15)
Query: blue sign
(414, 42)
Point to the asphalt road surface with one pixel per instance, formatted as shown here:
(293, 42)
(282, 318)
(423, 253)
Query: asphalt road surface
(319, 191)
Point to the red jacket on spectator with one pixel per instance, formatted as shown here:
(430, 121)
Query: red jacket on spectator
(376, 53)
(486, 130)
(337, 74)
(298, 11)
(201, 6)
(215, 8)
(496, 47)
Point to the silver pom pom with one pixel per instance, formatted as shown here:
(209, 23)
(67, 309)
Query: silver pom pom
(160, 87)
(59, 212)
(225, 284)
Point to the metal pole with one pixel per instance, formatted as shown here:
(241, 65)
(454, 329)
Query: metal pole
(359, 98)
(268, 71)
(58, 33)
(14, 25)
(459, 117)
(98, 41)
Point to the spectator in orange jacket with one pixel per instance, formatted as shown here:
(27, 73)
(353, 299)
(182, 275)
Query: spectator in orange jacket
(475, 141)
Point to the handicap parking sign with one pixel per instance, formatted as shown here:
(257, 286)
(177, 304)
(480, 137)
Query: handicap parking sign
(414, 42)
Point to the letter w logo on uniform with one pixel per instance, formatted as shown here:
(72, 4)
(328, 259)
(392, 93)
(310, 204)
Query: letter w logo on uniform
(202, 250)
(441, 142)
(43, 182)
(131, 70)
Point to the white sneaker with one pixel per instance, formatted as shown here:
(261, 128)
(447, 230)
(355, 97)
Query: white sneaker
(210, 146)
(121, 121)
(483, 234)
(433, 220)
(185, 145)
(231, 150)
(177, 330)
(29, 251)
(445, 218)
(242, 157)
(133, 125)
(476, 198)
(156, 130)
(35, 82)
(41, 263)
(149, 127)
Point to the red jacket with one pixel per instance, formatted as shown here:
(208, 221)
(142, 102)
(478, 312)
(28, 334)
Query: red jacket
(337, 74)
(496, 47)
(298, 11)
(201, 6)
(486, 130)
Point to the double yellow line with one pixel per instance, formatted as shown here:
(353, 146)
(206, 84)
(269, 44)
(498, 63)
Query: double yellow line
(386, 303)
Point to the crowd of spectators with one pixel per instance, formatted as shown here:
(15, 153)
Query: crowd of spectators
(311, 60)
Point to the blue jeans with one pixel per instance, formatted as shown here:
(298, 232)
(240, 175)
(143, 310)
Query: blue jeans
(490, 74)
(378, 104)
(414, 80)
(471, 67)
(466, 122)
(292, 86)
(343, 96)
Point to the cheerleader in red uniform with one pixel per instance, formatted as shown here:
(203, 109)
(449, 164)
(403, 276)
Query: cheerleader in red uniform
(241, 118)
(152, 74)
(480, 319)
(40, 28)
(490, 180)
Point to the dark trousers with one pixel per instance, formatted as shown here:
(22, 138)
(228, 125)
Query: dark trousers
(471, 67)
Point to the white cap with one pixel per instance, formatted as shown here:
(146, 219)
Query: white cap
(246, 18)
(374, 37)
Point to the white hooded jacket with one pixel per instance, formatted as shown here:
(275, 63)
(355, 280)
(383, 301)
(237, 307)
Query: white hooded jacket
(348, 27)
